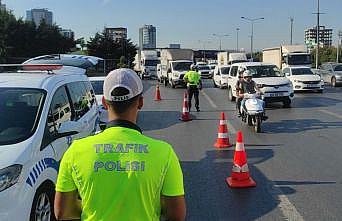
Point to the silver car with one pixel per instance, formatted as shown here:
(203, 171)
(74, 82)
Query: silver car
(331, 73)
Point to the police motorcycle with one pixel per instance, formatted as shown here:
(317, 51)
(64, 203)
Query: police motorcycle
(253, 112)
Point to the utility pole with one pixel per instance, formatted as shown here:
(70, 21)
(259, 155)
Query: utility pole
(338, 46)
(220, 38)
(318, 13)
(291, 31)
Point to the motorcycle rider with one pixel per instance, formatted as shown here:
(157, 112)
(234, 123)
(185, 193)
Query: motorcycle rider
(237, 86)
(248, 86)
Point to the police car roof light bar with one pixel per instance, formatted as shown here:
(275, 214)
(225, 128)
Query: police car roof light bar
(32, 67)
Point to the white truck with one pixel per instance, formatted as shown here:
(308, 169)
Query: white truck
(145, 63)
(174, 63)
(287, 56)
(226, 58)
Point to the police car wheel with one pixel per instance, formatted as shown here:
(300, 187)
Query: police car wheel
(42, 206)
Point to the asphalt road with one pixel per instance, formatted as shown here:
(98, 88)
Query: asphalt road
(296, 161)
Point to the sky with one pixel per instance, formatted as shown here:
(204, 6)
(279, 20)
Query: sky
(192, 23)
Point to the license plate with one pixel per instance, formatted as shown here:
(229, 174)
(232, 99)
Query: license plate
(276, 94)
(311, 85)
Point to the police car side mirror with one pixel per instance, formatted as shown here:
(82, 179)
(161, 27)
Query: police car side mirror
(69, 128)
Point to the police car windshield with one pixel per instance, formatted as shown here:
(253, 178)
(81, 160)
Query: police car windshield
(265, 71)
(98, 86)
(19, 113)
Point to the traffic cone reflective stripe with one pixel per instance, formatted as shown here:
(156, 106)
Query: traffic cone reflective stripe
(157, 97)
(222, 135)
(240, 172)
(185, 114)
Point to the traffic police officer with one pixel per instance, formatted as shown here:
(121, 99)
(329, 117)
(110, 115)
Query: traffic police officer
(120, 174)
(193, 80)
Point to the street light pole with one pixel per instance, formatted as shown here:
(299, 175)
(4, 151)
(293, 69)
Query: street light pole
(317, 37)
(220, 39)
(237, 39)
(252, 20)
(291, 31)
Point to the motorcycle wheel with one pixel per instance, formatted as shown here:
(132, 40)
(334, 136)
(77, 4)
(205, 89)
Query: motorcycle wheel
(257, 125)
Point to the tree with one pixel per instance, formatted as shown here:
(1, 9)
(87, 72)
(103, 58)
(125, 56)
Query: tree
(106, 47)
(20, 40)
(326, 54)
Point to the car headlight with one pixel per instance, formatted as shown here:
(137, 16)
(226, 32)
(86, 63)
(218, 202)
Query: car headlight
(298, 81)
(9, 176)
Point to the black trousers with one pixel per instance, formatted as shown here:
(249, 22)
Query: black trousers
(238, 104)
(193, 91)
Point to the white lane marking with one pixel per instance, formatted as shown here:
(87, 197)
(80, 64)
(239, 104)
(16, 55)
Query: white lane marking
(331, 113)
(209, 99)
(286, 207)
(231, 128)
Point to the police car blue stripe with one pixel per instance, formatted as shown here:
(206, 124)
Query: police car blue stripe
(35, 172)
(40, 166)
(38, 169)
(28, 181)
(32, 177)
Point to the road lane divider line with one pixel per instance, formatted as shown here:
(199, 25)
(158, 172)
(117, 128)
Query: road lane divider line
(288, 210)
(211, 102)
(331, 113)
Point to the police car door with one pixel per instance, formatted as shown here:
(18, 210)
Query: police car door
(84, 107)
(59, 112)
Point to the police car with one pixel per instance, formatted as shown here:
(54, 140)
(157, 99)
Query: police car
(42, 109)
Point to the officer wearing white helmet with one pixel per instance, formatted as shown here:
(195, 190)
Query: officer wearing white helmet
(241, 69)
(247, 85)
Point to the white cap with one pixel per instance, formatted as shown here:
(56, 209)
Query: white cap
(125, 78)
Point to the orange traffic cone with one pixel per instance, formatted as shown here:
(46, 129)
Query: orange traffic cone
(185, 114)
(240, 174)
(222, 136)
(157, 96)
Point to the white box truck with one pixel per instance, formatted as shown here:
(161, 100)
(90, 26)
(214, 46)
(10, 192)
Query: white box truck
(287, 56)
(226, 58)
(174, 63)
(145, 63)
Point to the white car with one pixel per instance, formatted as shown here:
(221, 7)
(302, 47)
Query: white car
(204, 71)
(303, 79)
(97, 83)
(274, 86)
(41, 112)
(220, 78)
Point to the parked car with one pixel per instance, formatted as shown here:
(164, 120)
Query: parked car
(303, 79)
(273, 84)
(220, 77)
(331, 73)
(97, 83)
(42, 109)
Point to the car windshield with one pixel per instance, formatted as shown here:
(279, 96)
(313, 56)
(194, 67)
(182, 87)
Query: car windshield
(338, 68)
(225, 70)
(181, 66)
(203, 67)
(265, 71)
(151, 62)
(19, 113)
(98, 86)
(299, 59)
(302, 71)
